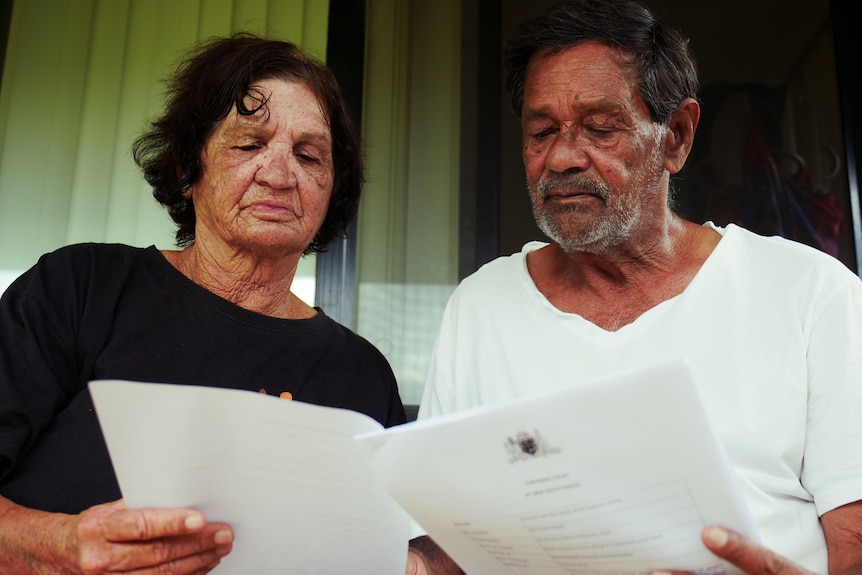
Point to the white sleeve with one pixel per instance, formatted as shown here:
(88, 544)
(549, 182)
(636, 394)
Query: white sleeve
(832, 464)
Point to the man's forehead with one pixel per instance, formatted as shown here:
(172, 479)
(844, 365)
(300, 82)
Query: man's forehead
(587, 76)
(584, 58)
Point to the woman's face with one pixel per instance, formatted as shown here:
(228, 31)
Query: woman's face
(267, 178)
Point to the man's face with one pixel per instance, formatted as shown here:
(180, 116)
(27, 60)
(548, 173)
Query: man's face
(593, 157)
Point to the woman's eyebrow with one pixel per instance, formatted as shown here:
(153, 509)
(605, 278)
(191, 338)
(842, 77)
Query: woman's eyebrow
(317, 137)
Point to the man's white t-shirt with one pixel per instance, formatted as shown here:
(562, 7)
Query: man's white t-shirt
(773, 330)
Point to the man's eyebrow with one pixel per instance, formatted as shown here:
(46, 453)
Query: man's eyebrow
(534, 113)
(607, 106)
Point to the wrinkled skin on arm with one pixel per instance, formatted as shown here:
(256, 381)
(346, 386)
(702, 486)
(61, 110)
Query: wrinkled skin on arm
(110, 539)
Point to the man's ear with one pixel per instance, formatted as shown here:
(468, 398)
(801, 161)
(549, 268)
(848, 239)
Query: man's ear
(680, 134)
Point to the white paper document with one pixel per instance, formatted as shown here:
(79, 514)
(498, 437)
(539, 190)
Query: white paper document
(617, 476)
(287, 476)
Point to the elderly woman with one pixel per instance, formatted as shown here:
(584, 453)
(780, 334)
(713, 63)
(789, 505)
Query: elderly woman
(258, 163)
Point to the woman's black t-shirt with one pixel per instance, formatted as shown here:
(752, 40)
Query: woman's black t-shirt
(99, 311)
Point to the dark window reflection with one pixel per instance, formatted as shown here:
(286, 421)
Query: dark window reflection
(744, 169)
(769, 151)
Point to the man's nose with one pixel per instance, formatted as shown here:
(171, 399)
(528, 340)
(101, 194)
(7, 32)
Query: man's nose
(567, 151)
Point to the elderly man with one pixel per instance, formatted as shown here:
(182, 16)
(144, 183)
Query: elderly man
(606, 95)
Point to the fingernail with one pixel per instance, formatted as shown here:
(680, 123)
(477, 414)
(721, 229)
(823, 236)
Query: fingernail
(717, 536)
(222, 550)
(194, 522)
(223, 536)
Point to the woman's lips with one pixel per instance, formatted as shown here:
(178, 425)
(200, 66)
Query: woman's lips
(272, 207)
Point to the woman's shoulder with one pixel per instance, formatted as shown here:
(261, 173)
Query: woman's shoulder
(83, 255)
(81, 268)
(338, 334)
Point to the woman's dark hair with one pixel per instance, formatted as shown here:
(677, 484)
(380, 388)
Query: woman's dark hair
(660, 56)
(213, 78)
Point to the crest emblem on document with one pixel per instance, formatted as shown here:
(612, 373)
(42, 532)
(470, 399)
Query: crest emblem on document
(526, 445)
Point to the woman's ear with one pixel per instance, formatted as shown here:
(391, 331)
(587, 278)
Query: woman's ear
(680, 134)
(187, 189)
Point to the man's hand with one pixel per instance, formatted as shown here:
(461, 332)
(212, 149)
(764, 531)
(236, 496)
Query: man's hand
(752, 558)
(748, 555)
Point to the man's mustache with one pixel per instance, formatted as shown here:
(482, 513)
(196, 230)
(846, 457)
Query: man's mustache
(556, 183)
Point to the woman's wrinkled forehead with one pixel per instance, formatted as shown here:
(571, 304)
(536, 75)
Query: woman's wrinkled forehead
(255, 105)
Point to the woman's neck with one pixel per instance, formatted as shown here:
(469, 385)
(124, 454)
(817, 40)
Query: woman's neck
(258, 284)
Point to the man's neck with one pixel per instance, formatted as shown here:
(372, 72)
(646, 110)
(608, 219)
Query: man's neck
(614, 288)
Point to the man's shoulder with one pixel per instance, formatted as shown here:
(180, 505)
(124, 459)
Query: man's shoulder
(778, 246)
(778, 259)
(503, 282)
(504, 267)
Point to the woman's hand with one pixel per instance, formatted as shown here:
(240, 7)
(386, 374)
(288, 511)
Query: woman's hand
(425, 557)
(112, 539)
(415, 564)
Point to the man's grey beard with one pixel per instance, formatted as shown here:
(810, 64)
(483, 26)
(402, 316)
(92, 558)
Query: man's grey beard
(603, 232)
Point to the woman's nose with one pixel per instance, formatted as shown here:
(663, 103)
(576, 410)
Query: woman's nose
(278, 169)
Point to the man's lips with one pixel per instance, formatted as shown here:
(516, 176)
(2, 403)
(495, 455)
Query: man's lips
(570, 195)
